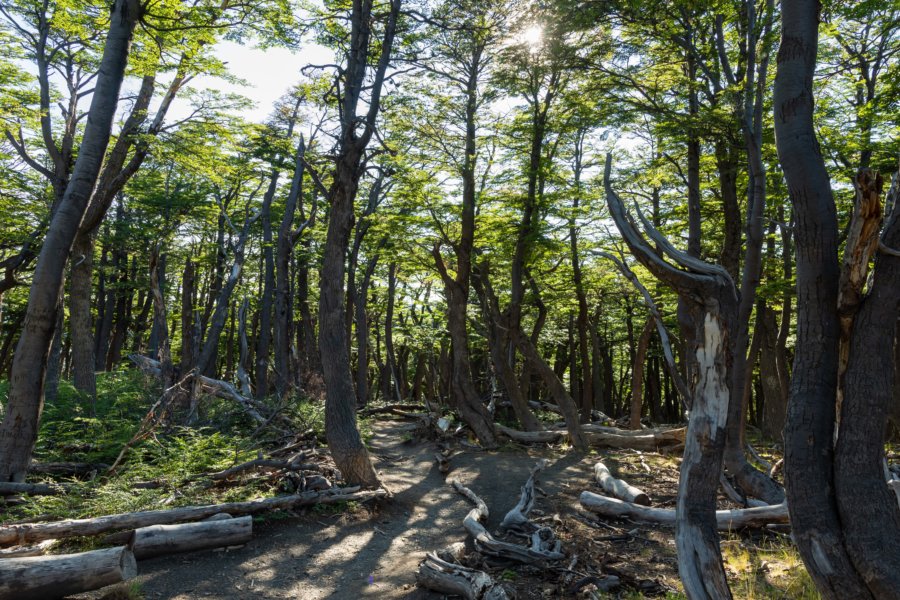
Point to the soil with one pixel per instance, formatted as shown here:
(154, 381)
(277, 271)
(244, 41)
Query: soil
(374, 551)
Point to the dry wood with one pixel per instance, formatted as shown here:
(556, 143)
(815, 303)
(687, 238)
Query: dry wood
(158, 540)
(8, 488)
(736, 496)
(725, 519)
(456, 580)
(517, 517)
(55, 576)
(604, 437)
(33, 532)
(488, 544)
(32, 550)
(618, 488)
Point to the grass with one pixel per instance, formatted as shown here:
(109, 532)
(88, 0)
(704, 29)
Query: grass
(772, 571)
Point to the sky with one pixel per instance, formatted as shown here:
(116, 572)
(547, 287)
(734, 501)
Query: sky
(269, 74)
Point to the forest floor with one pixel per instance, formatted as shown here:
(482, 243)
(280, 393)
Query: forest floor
(374, 551)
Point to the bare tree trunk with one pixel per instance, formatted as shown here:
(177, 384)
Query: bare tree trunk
(18, 432)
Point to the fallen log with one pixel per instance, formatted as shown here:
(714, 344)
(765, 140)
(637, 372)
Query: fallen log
(456, 580)
(55, 576)
(488, 544)
(9, 488)
(604, 437)
(394, 409)
(725, 519)
(618, 488)
(35, 532)
(736, 496)
(159, 540)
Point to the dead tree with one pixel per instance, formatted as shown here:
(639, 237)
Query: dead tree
(708, 293)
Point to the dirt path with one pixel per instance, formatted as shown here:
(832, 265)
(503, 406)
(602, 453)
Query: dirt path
(366, 554)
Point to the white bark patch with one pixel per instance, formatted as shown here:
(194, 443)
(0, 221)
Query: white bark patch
(820, 557)
(712, 394)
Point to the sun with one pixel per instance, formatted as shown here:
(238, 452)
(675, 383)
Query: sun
(533, 35)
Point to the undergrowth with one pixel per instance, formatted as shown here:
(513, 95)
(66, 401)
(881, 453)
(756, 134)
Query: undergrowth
(163, 471)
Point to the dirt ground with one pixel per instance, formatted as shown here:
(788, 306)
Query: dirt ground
(374, 551)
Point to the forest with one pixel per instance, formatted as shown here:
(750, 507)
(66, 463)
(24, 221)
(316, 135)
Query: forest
(629, 267)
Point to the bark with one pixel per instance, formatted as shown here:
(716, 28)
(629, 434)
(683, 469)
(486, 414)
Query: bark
(775, 398)
(80, 321)
(18, 432)
(55, 576)
(264, 339)
(808, 434)
(362, 335)
(188, 281)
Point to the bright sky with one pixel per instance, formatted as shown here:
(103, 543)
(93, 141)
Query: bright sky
(269, 74)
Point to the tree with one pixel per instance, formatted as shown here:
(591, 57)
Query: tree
(850, 546)
(356, 130)
(18, 431)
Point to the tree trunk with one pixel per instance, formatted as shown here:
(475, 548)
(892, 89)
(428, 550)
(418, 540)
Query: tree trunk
(808, 433)
(637, 374)
(18, 432)
(80, 320)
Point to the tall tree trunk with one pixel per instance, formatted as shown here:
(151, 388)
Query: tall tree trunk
(808, 434)
(362, 334)
(18, 431)
(80, 321)
(264, 339)
(637, 374)
(284, 310)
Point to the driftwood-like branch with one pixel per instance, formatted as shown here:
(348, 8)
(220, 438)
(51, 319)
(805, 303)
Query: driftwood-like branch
(736, 496)
(488, 544)
(726, 520)
(455, 580)
(517, 518)
(34, 532)
(618, 488)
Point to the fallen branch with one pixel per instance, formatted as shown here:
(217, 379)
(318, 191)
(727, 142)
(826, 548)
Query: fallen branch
(488, 544)
(22, 551)
(618, 488)
(34, 532)
(517, 518)
(725, 519)
(55, 576)
(456, 580)
(603, 437)
(8, 488)
(736, 496)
